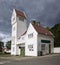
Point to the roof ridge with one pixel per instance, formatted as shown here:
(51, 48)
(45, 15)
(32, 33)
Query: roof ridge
(20, 13)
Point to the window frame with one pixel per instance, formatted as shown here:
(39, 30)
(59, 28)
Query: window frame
(30, 35)
(30, 47)
(43, 46)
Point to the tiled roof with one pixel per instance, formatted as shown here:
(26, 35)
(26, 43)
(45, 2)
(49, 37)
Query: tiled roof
(42, 30)
(20, 13)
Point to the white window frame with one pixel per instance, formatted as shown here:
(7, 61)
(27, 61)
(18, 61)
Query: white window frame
(30, 47)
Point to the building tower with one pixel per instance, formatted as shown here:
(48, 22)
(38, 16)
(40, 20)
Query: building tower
(19, 26)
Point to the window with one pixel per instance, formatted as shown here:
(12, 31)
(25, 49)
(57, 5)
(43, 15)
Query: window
(30, 35)
(21, 18)
(43, 47)
(30, 47)
(45, 41)
(31, 50)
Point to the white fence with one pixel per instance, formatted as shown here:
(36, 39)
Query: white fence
(57, 50)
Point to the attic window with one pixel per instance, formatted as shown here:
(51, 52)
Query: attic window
(21, 18)
(30, 35)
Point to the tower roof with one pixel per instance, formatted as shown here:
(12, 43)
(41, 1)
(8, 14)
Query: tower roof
(20, 13)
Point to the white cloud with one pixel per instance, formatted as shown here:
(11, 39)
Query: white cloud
(4, 37)
(45, 11)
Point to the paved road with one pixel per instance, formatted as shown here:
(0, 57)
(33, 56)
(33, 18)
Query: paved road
(48, 60)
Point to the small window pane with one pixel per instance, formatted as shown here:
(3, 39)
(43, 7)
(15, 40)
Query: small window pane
(21, 18)
(30, 35)
(43, 47)
(30, 46)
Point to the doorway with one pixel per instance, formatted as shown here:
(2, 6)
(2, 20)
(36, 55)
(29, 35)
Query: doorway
(22, 51)
(49, 48)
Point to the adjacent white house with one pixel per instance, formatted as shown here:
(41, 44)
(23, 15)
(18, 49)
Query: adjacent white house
(34, 39)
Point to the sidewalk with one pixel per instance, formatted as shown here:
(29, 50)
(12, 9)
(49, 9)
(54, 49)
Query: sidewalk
(24, 58)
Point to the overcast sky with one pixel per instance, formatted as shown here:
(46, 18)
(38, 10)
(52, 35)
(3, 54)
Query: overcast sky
(45, 11)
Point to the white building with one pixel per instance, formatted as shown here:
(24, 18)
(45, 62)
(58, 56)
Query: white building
(19, 26)
(34, 40)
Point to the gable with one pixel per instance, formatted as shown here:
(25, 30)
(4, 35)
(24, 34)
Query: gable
(31, 29)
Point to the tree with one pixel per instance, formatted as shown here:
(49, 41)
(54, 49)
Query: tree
(8, 45)
(56, 31)
(47, 28)
(1, 46)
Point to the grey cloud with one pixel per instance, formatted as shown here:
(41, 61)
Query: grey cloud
(45, 11)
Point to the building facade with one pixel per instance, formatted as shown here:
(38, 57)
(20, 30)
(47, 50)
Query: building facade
(33, 40)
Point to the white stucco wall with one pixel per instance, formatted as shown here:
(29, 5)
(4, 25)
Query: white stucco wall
(14, 39)
(13, 18)
(14, 33)
(57, 50)
(31, 41)
(13, 49)
(21, 27)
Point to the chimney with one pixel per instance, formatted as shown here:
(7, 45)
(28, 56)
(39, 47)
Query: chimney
(33, 22)
(36, 23)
